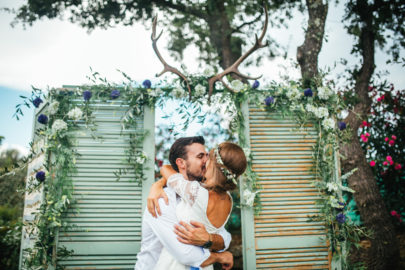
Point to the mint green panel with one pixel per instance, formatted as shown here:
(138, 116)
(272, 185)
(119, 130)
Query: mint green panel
(108, 225)
(282, 158)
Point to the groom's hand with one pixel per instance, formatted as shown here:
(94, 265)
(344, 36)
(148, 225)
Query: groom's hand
(194, 234)
(156, 192)
(226, 259)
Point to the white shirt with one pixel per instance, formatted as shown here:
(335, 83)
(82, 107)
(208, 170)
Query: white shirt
(159, 232)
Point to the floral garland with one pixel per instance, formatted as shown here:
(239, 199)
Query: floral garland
(63, 116)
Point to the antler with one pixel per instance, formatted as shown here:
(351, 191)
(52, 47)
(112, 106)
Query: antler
(234, 67)
(166, 67)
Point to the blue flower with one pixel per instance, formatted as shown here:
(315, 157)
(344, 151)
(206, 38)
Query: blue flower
(43, 119)
(37, 101)
(256, 84)
(342, 125)
(147, 84)
(87, 95)
(341, 218)
(40, 176)
(308, 92)
(115, 94)
(268, 101)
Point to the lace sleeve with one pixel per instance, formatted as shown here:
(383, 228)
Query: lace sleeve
(187, 190)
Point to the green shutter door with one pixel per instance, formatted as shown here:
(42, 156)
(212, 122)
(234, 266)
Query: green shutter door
(282, 159)
(108, 232)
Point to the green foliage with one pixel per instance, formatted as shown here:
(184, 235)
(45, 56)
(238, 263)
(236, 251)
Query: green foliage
(386, 21)
(10, 237)
(385, 124)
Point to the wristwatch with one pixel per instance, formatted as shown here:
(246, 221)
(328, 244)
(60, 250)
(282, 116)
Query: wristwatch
(208, 244)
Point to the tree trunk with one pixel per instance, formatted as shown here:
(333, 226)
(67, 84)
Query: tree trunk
(221, 34)
(307, 53)
(384, 252)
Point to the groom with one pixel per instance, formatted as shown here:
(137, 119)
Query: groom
(192, 245)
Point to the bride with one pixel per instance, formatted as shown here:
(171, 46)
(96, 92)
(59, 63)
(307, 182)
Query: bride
(209, 202)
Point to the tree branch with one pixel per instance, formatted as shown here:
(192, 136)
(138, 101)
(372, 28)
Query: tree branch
(237, 29)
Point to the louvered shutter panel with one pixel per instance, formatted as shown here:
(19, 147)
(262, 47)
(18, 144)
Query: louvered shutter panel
(33, 200)
(281, 237)
(108, 232)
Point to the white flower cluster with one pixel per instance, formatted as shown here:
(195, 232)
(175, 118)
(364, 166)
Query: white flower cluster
(75, 114)
(324, 92)
(293, 93)
(328, 123)
(179, 92)
(320, 112)
(53, 108)
(199, 90)
(155, 92)
(237, 85)
(141, 158)
(249, 197)
(58, 126)
(208, 72)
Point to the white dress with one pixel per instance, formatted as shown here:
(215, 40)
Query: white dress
(193, 206)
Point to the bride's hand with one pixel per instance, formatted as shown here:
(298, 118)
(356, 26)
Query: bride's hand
(155, 193)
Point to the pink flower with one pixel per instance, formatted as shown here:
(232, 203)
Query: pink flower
(363, 138)
(398, 166)
(365, 123)
(389, 158)
(385, 163)
(392, 142)
(367, 134)
(372, 163)
(391, 162)
(386, 139)
(394, 137)
(394, 213)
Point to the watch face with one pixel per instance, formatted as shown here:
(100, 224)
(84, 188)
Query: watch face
(208, 244)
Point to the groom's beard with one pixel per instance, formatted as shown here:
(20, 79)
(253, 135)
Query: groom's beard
(193, 177)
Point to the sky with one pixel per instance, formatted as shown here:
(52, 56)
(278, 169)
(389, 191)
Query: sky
(53, 53)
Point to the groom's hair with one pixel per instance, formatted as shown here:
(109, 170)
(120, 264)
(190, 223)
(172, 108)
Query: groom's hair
(178, 149)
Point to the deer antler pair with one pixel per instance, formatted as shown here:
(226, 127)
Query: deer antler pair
(219, 77)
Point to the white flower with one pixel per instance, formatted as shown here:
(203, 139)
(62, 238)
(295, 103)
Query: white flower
(321, 112)
(208, 72)
(332, 187)
(219, 85)
(310, 108)
(179, 92)
(53, 107)
(328, 123)
(324, 92)
(293, 93)
(75, 114)
(58, 126)
(199, 90)
(249, 197)
(141, 158)
(155, 93)
(237, 85)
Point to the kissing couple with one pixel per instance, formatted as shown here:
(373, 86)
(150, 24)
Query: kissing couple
(183, 227)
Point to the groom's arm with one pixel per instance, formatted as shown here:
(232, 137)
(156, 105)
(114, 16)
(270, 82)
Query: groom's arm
(196, 234)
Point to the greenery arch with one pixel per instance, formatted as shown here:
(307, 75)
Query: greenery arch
(69, 107)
